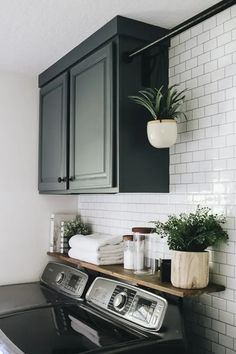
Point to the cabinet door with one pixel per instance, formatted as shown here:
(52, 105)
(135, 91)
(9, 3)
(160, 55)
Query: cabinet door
(53, 135)
(91, 122)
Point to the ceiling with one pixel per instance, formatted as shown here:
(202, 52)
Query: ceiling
(36, 33)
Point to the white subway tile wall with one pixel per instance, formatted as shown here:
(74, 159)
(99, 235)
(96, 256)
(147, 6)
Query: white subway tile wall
(202, 171)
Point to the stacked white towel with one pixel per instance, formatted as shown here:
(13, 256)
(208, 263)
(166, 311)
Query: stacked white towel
(97, 248)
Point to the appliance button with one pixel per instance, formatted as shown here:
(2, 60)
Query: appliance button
(59, 277)
(119, 301)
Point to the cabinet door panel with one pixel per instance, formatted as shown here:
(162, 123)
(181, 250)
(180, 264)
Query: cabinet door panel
(52, 136)
(91, 121)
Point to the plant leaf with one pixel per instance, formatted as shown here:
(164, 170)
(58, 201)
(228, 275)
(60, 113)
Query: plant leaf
(161, 104)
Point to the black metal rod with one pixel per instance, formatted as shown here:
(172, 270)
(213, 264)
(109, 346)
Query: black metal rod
(204, 15)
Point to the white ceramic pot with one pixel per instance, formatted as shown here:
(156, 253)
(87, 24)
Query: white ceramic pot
(162, 133)
(190, 270)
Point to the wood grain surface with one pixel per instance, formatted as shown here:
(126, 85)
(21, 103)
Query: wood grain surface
(149, 281)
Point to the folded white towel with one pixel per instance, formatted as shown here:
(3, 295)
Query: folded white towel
(112, 248)
(81, 252)
(113, 253)
(95, 242)
(109, 251)
(93, 257)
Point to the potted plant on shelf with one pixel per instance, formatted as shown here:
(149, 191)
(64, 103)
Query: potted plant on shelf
(71, 228)
(74, 227)
(164, 107)
(189, 235)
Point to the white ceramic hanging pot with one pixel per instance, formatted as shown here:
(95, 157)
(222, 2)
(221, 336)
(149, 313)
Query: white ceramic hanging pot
(162, 133)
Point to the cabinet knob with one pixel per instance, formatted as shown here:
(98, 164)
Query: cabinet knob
(61, 179)
(71, 179)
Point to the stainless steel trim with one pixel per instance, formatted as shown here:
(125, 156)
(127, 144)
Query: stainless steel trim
(113, 318)
(60, 287)
(119, 316)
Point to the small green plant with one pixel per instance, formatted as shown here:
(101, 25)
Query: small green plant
(162, 104)
(193, 232)
(75, 227)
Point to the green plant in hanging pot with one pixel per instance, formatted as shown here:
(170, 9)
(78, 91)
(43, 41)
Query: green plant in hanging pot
(189, 235)
(164, 105)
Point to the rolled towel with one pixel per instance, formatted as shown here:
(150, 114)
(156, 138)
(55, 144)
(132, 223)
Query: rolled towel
(93, 257)
(95, 242)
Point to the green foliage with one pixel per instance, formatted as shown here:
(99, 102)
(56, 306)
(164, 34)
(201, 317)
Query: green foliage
(161, 104)
(75, 227)
(193, 232)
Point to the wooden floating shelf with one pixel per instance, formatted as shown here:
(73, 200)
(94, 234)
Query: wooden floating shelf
(150, 281)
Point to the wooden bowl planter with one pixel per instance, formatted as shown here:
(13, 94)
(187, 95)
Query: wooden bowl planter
(190, 270)
(162, 133)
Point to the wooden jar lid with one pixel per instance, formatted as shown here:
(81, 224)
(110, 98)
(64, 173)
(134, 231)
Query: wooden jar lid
(128, 237)
(143, 230)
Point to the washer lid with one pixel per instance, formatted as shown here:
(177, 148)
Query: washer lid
(21, 296)
(64, 329)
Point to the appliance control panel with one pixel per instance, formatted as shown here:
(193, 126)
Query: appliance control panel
(127, 302)
(65, 279)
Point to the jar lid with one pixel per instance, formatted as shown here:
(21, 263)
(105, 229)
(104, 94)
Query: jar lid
(128, 237)
(143, 230)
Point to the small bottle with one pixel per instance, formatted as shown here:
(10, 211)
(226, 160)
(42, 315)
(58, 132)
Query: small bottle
(128, 252)
(165, 270)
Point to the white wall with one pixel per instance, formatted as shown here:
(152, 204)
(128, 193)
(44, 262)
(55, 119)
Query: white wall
(202, 171)
(24, 214)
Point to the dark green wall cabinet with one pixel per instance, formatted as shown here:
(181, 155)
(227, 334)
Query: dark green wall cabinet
(53, 135)
(92, 137)
(91, 121)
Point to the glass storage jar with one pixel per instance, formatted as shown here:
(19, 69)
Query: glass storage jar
(144, 260)
(128, 252)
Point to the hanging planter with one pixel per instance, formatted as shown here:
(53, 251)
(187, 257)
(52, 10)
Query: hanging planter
(164, 108)
(162, 133)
